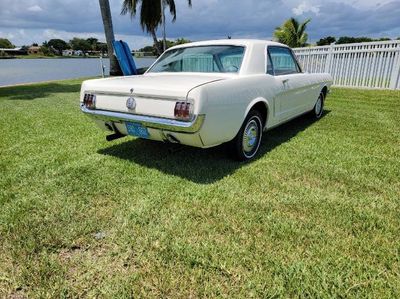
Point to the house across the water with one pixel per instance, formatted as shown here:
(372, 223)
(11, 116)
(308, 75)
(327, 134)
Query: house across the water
(34, 50)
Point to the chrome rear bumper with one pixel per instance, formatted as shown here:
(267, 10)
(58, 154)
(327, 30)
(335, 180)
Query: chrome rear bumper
(148, 121)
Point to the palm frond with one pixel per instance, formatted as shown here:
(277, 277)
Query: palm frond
(292, 33)
(294, 23)
(172, 8)
(150, 12)
(129, 6)
(303, 26)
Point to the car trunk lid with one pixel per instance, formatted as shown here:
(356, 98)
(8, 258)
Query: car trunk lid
(155, 94)
(161, 85)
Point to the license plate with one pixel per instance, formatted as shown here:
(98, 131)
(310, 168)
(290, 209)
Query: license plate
(137, 130)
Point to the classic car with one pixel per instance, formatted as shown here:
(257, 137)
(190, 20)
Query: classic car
(207, 93)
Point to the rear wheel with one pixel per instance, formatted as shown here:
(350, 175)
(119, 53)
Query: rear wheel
(247, 142)
(319, 106)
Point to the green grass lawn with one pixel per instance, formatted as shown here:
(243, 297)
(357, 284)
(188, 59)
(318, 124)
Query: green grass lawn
(315, 215)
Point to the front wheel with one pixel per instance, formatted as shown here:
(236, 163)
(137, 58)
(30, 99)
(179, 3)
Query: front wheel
(247, 142)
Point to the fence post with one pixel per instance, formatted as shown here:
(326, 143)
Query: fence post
(395, 76)
(329, 59)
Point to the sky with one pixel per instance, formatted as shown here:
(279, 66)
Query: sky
(27, 21)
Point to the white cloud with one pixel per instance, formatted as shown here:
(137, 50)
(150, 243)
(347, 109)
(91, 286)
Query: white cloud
(367, 4)
(305, 7)
(359, 4)
(35, 8)
(207, 19)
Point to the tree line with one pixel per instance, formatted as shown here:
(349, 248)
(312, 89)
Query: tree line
(154, 49)
(349, 40)
(293, 33)
(57, 46)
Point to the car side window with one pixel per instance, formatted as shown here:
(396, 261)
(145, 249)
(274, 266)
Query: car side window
(270, 69)
(283, 61)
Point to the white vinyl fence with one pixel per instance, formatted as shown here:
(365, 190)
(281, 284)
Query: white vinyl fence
(365, 65)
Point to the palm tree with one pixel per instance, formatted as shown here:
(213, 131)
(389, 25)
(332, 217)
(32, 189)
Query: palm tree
(292, 33)
(109, 32)
(151, 14)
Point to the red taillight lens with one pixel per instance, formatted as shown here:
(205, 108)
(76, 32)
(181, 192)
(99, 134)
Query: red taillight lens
(183, 110)
(89, 100)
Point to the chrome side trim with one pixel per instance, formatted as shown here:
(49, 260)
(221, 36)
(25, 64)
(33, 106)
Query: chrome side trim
(148, 121)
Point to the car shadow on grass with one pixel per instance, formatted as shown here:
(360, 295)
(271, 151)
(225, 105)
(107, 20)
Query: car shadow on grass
(39, 90)
(203, 166)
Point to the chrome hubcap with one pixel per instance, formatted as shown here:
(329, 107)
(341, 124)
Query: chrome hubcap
(250, 136)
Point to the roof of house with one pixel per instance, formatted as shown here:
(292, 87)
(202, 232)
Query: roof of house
(7, 49)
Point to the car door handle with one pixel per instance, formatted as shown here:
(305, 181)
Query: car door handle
(285, 81)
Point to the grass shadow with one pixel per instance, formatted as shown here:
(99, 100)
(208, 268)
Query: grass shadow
(40, 90)
(203, 166)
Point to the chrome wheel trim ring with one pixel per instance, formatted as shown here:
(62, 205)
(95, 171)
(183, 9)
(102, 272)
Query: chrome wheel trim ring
(319, 106)
(251, 137)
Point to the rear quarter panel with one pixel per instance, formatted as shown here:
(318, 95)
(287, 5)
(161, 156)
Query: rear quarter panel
(229, 101)
(316, 82)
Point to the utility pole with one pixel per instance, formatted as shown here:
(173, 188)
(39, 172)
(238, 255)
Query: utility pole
(163, 23)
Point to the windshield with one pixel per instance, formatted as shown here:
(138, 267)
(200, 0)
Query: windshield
(205, 59)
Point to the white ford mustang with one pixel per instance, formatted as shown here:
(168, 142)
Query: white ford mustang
(207, 93)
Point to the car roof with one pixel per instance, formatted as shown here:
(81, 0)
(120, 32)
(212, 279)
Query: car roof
(230, 42)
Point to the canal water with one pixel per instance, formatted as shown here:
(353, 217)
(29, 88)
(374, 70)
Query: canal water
(17, 71)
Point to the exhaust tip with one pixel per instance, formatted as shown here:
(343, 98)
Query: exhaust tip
(114, 136)
(172, 139)
(109, 127)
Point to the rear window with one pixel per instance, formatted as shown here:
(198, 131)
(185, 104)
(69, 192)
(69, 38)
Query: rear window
(203, 59)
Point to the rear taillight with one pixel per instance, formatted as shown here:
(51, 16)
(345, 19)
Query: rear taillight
(183, 110)
(89, 100)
